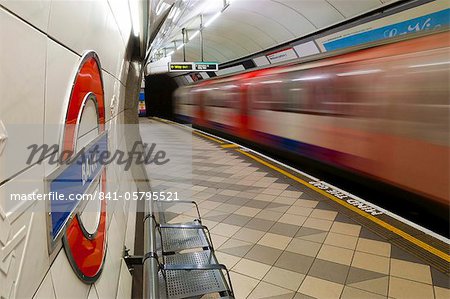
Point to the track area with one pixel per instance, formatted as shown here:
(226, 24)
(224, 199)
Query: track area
(285, 233)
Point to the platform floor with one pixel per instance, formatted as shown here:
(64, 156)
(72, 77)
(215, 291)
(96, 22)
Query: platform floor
(281, 241)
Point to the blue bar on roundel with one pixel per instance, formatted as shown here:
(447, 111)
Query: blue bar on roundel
(74, 180)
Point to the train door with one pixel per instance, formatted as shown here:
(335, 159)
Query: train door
(245, 104)
(198, 97)
(244, 116)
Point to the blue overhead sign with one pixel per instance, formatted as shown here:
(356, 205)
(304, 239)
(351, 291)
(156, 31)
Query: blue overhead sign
(428, 22)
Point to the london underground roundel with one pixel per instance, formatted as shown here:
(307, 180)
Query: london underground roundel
(80, 219)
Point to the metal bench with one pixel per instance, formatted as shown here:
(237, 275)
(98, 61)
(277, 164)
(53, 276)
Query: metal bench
(180, 262)
(175, 237)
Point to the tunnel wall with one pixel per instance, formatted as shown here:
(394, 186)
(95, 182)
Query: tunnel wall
(42, 45)
(159, 89)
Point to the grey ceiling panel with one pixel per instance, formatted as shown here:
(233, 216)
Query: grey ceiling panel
(350, 8)
(318, 12)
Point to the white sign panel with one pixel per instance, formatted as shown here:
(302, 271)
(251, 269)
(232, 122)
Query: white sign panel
(260, 61)
(306, 49)
(233, 69)
(282, 55)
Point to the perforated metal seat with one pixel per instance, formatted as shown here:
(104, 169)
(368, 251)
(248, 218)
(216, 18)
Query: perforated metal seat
(179, 237)
(195, 274)
(190, 274)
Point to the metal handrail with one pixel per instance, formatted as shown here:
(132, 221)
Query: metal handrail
(184, 226)
(150, 265)
(186, 202)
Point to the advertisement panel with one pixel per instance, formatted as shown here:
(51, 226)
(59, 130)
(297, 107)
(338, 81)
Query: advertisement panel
(433, 15)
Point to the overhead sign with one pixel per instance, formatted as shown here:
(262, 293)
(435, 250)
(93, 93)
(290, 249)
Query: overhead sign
(181, 66)
(306, 49)
(282, 55)
(428, 16)
(193, 66)
(427, 22)
(206, 66)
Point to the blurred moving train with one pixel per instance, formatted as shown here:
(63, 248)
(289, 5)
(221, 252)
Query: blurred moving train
(381, 111)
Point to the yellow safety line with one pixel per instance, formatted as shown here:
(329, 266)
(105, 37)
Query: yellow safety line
(231, 145)
(378, 221)
(208, 137)
(194, 131)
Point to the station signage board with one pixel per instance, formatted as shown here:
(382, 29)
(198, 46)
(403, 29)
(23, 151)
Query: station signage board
(429, 16)
(206, 66)
(181, 66)
(193, 66)
(282, 55)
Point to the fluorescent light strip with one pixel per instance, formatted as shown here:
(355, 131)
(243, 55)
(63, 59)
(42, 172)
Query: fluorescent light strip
(309, 78)
(272, 82)
(213, 18)
(135, 16)
(194, 35)
(361, 72)
(430, 64)
(210, 21)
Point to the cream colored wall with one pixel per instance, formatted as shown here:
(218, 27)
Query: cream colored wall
(41, 43)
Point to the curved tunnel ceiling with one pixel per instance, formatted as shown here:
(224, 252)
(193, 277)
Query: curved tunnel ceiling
(248, 26)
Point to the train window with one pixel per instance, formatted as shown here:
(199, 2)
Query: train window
(221, 98)
(224, 96)
(267, 93)
(420, 95)
(184, 96)
(230, 95)
(358, 89)
(262, 96)
(295, 95)
(308, 90)
(211, 97)
(197, 96)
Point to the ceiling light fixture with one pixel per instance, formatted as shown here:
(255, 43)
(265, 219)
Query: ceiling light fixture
(174, 14)
(161, 6)
(135, 16)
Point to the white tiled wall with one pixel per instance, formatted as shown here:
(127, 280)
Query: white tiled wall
(36, 12)
(19, 64)
(40, 49)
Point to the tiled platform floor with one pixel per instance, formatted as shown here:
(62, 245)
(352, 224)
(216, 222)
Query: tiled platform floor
(279, 243)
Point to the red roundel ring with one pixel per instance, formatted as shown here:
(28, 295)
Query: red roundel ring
(86, 252)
